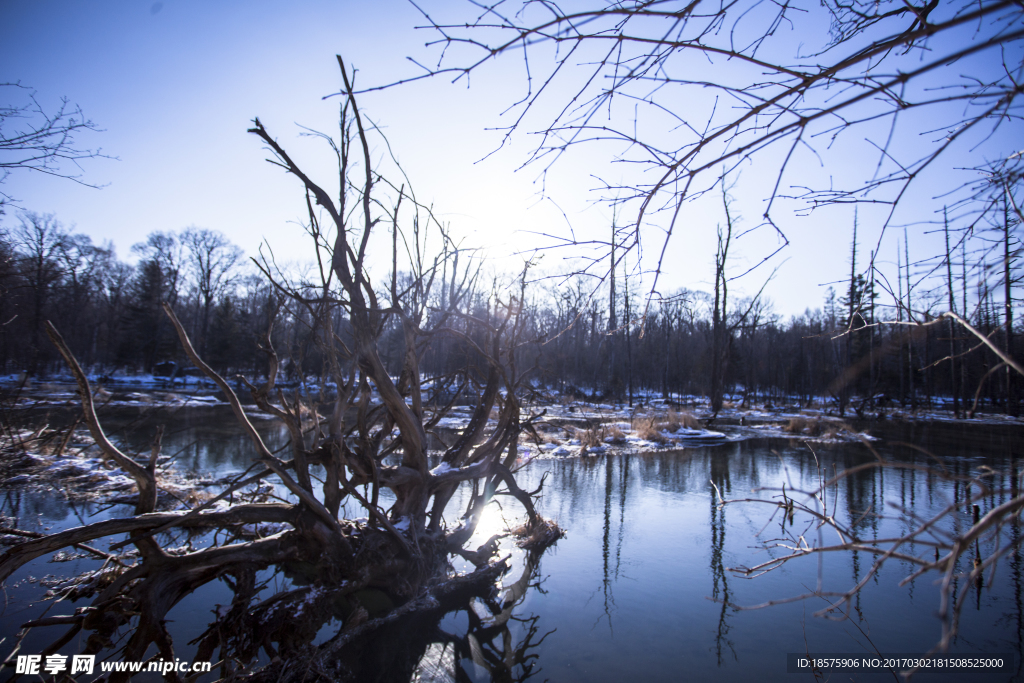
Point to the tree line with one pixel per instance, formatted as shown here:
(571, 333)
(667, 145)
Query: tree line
(109, 310)
(602, 341)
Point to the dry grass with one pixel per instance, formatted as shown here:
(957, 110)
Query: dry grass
(592, 436)
(832, 429)
(685, 419)
(550, 437)
(599, 435)
(538, 534)
(614, 435)
(650, 428)
(812, 427)
(647, 428)
(802, 425)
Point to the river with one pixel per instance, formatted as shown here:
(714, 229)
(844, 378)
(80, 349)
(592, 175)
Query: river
(640, 588)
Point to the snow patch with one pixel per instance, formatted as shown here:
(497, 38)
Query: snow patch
(442, 468)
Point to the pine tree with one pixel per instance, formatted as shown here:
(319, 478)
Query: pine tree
(148, 337)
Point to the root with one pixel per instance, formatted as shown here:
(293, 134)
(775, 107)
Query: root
(538, 534)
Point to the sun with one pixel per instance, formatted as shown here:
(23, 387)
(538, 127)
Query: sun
(492, 522)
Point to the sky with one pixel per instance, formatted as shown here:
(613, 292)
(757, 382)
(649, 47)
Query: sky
(175, 84)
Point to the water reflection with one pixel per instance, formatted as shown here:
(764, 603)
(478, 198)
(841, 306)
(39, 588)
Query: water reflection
(483, 638)
(719, 575)
(205, 441)
(640, 588)
(648, 548)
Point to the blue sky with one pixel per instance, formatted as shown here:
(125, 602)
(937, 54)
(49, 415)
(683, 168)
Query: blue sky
(175, 84)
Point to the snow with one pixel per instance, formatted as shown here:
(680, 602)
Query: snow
(442, 468)
(686, 433)
(310, 598)
(208, 400)
(453, 422)
(264, 529)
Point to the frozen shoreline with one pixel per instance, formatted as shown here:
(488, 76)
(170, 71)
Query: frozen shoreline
(567, 429)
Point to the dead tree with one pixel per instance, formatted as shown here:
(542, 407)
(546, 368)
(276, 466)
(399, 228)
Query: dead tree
(989, 218)
(722, 330)
(368, 454)
(721, 337)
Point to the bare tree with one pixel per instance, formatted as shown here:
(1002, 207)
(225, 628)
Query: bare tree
(722, 328)
(34, 139)
(994, 211)
(361, 505)
(211, 266)
(41, 239)
(721, 337)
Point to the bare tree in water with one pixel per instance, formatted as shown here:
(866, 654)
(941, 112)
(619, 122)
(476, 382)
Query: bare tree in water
(362, 508)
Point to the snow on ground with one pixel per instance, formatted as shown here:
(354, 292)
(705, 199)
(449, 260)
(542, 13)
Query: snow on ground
(657, 424)
(570, 427)
(453, 422)
(38, 460)
(64, 395)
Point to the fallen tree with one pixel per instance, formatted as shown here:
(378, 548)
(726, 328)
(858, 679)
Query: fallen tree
(368, 455)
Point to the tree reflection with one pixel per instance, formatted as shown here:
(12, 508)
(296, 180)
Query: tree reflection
(470, 635)
(606, 583)
(610, 573)
(497, 643)
(955, 515)
(719, 579)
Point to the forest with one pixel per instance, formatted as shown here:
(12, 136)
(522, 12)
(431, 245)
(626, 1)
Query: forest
(862, 350)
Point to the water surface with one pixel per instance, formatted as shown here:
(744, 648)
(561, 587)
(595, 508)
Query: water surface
(640, 587)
